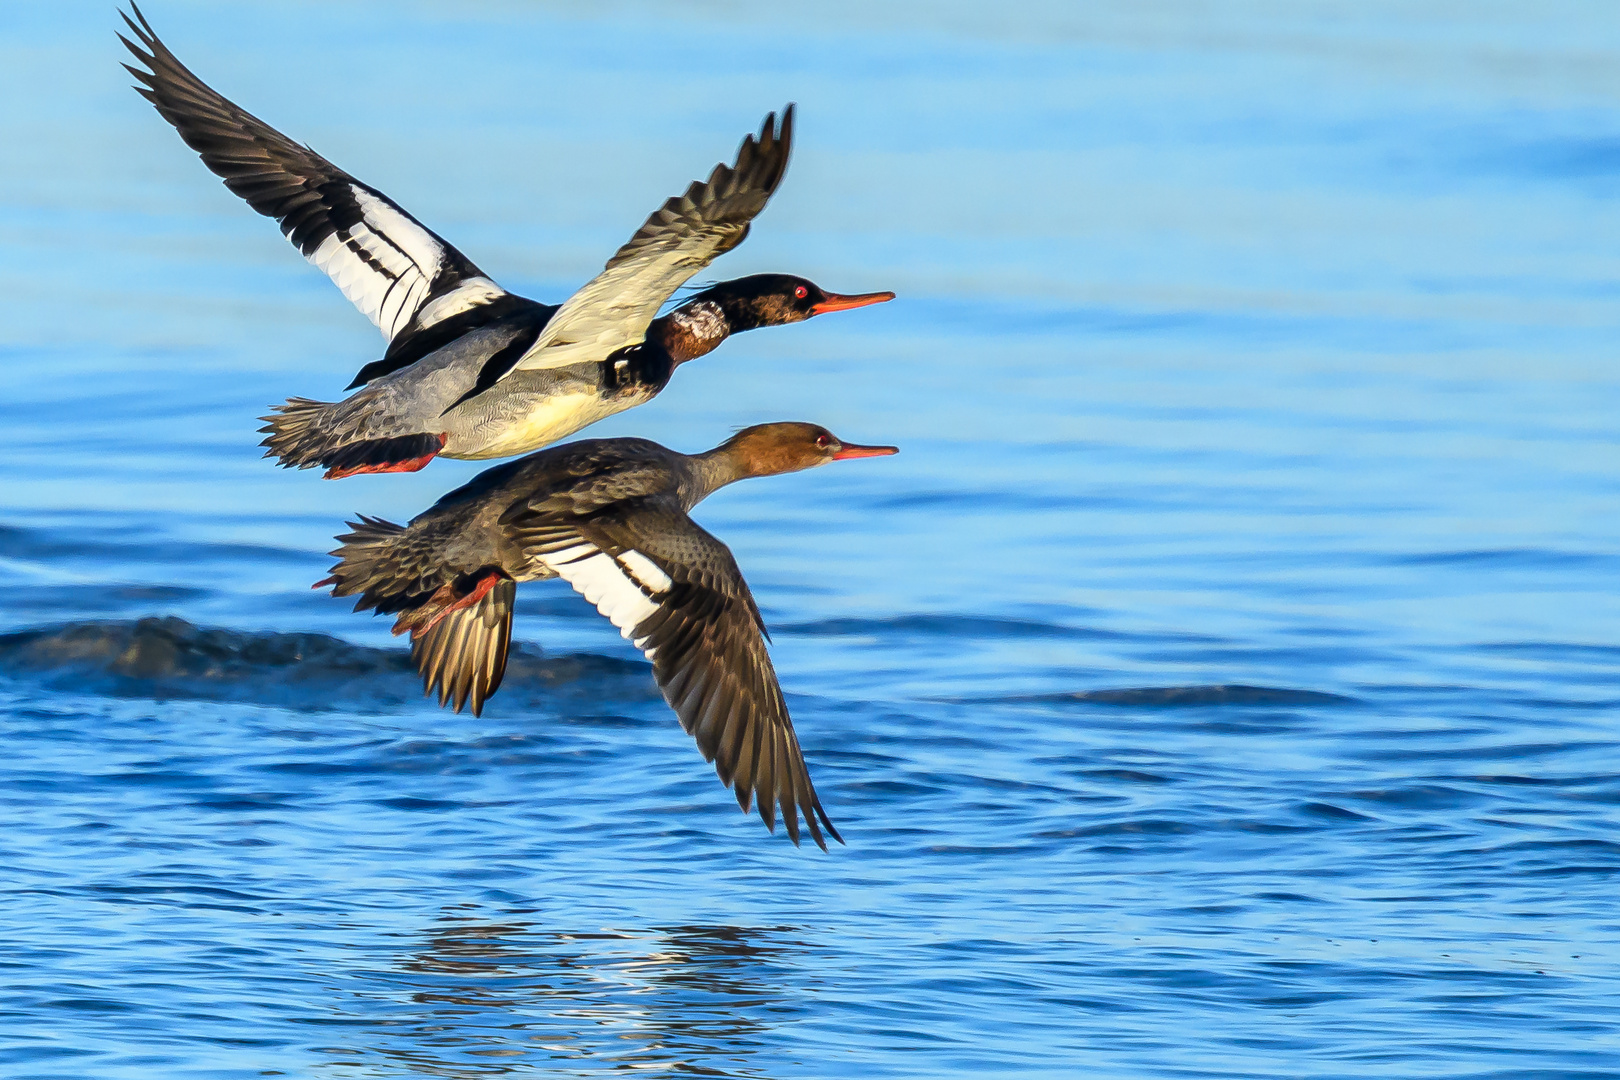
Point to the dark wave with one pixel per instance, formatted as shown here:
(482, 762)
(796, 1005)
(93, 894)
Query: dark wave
(1524, 558)
(1172, 697)
(107, 543)
(941, 626)
(170, 657)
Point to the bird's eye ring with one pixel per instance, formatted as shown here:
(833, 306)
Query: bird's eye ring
(801, 292)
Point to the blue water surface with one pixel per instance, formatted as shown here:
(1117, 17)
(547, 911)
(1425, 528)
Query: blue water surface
(1222, 682)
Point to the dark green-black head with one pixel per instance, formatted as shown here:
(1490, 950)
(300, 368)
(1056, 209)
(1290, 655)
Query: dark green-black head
(778, 299)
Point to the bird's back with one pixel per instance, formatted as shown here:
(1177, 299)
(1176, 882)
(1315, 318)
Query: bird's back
(576, 477)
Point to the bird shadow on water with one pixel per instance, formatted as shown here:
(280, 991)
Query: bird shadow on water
(474, 997)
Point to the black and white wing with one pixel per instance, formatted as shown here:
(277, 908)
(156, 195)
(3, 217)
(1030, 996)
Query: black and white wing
(675, 591)
(683, 236)
(399, 274)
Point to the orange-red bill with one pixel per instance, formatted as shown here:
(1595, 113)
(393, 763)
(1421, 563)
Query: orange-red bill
(839, 302)
(852, 450)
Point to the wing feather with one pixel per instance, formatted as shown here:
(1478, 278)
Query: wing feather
(463, 654)
(401, 276)
(676, 592)
(612, 310)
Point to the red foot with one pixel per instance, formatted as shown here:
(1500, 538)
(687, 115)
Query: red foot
(486, 583)
(398, 466)
(324, 582)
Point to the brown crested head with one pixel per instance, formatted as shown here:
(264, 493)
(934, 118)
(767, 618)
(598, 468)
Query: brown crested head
(777, 299)
(789, 446)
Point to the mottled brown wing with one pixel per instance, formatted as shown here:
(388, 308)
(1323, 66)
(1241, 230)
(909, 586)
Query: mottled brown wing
(676, 592)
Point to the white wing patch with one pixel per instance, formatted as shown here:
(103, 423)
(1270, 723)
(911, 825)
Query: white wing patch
(645, 571)
(624, 589)
(464, 297)
(385, 264)
(415, 242)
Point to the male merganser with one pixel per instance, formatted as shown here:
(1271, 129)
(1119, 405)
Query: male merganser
(608, 516)
(471, 370)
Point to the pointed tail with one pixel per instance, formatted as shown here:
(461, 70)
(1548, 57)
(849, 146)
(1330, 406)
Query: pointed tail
(306, 434)
(460, 624)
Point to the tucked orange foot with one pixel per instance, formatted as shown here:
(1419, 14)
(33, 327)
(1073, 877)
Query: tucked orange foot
(447, 597)
(405, 453)
(412, 465)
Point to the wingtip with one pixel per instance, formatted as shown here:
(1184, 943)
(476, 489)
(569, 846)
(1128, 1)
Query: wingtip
(142, 29)
(129, 22)
(827, 824)
(790, 818)
(772, 127)
(774, 141)
(784, 138)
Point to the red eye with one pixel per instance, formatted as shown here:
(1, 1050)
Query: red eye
(801, 292)
(823, 440)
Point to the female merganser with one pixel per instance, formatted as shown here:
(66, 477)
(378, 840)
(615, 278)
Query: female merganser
(471, 370)
(608, 516)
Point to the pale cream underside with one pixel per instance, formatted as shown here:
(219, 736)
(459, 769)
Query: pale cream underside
(554, 418)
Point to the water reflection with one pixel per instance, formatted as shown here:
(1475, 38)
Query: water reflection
(479, 997)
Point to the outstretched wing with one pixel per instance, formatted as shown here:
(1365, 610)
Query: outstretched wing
(683, 236)
(399, 274)
(675, 591)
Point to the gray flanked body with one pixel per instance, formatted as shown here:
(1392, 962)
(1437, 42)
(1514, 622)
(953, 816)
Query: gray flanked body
(481, 393)
(534, 407)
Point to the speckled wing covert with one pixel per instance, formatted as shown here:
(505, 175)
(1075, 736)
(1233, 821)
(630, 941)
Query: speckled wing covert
(676, 592)
(401, 276)
(683, 236)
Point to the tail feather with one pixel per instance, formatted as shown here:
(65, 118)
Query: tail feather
(460, 623)
(304, 434)
(377, 563)
(297, 436)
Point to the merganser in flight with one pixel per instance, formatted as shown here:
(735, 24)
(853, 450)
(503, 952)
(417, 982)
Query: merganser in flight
(471, 370)
(608, 516)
